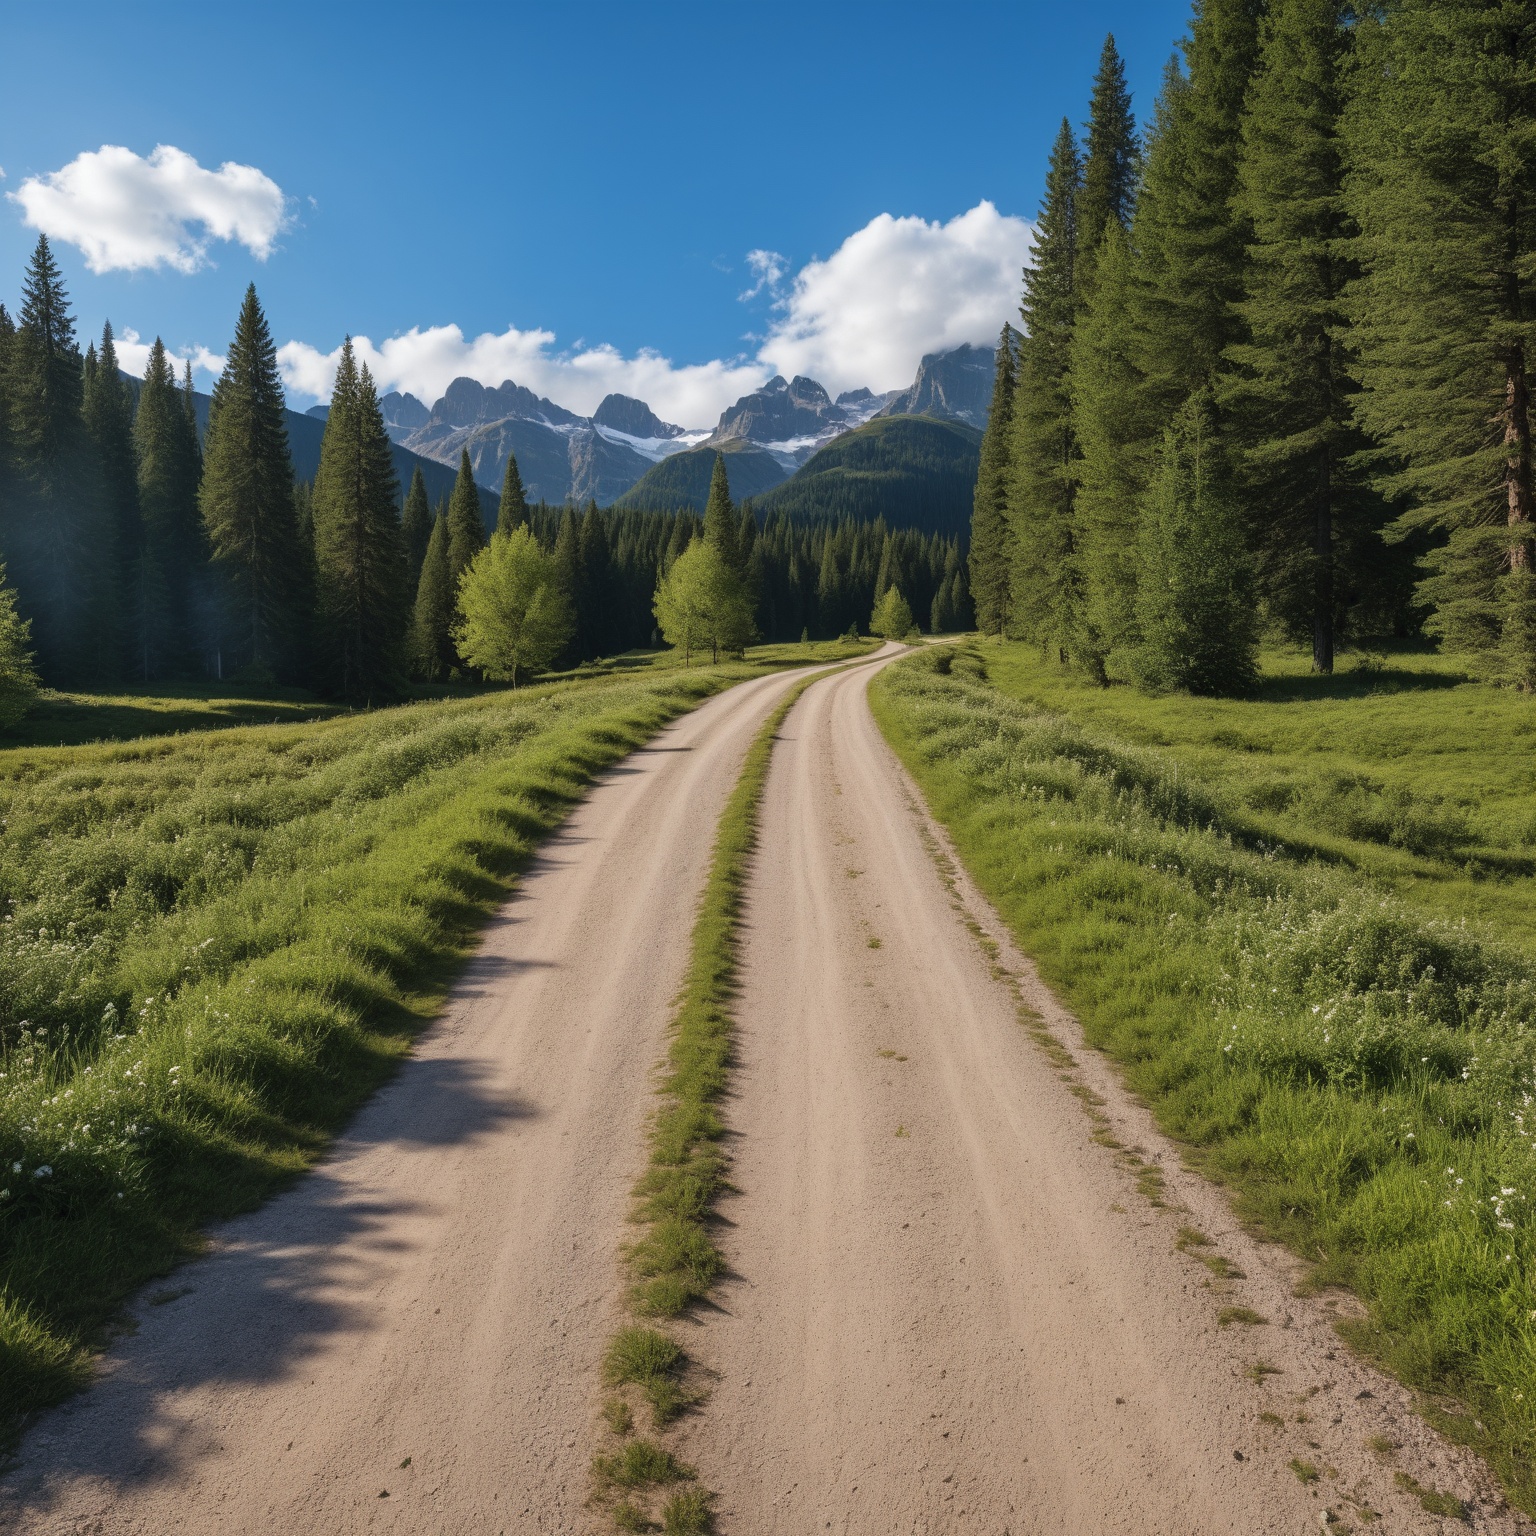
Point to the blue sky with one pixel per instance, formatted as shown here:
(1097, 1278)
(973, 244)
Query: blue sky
(580, 184)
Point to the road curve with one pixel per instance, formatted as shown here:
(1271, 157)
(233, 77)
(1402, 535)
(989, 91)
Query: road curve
(949, 1308)
(423, 1315)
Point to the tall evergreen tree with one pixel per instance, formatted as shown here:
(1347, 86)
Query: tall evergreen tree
(567, 555)
(595, 584)
(991, 552)
(720, 516)
(1195, 608)
(359, 557)
(1191, 236)
(415, 527)
(1043, 584)
(1442, 143)
(1110, 165)
(7, 451)
(1290, 396)
(166, 574)
(108, 408)
(57, 538)
(432, 651)
(247, 505)
(1115, 445)
(466, 520)
(513, 512)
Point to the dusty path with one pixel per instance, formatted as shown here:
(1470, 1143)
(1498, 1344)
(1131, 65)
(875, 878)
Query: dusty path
(950, 1309)
(440, 1289)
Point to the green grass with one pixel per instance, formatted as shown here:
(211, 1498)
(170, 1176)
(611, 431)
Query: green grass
(676, 1261)
(1257, 907)
(215, 945)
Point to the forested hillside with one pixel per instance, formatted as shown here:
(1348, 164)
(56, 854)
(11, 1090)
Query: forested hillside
(912, 471)
(1275, 359)
(680, 482)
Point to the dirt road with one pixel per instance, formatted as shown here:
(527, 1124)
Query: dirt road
(951, 1309)
(424, 1314)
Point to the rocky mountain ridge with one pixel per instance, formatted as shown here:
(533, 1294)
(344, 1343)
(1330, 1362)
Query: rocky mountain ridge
(563, 456)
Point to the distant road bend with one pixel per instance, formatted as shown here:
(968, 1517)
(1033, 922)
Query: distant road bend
(949, 1309)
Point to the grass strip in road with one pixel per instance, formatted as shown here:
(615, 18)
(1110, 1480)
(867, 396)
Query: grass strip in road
(675, 1262)
(215, 946)
(1360, 1073)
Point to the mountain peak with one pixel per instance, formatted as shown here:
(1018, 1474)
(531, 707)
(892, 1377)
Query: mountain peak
(956, 384)
(634, 418)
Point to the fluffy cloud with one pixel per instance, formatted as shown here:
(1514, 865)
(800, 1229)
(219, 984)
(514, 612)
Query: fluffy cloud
(133, 356)
(127, 213)
(894, 290)
(425, 362)
(768, 267)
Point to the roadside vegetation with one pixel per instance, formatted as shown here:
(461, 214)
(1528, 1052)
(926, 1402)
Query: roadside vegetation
(1263, 909)
(213, 946)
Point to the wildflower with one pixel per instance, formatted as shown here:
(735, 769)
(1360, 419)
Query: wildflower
(42, 1171)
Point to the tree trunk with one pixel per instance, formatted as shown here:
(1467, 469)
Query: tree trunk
(1322, 586)
(1517, 456)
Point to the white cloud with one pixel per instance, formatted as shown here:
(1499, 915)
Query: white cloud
(425, 362)
(128, 214)
(769, 268)
(896, 289)
(133, 356)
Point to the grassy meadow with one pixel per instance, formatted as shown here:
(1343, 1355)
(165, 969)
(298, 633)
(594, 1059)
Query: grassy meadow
(214, 945)
(1301, 922)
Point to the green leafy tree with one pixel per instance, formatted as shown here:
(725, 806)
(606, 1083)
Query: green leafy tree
(1441, 135)
(57, 536)
(359, 558)
(513, 512)
(18, 673)
(991, 553)
(164, 575)
(514, 616)
(247, 505)
(1194, 603)
(892, 616)
(700, 602)
(432, 650)
(415, 526)
(1043, 581)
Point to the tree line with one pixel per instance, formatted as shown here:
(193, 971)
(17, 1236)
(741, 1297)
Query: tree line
(1274, 363)
(135, 552)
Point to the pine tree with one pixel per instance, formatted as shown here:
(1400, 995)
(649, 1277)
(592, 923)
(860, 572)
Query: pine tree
(720, 517)
(892, 616)
(247, 505)
(108, 407)
(1110, 165)
(1114, 442)
(359, 558)
(567, 554)
(57, 538)
(1443, 187)
(166, 573)
(991, 540)
(466, 519)
(1195, 612)
(1191, 236)
(1290, 396)
(416, 527)
(595, 582)
(1043, 582)
(432, 651)
(513, 512)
